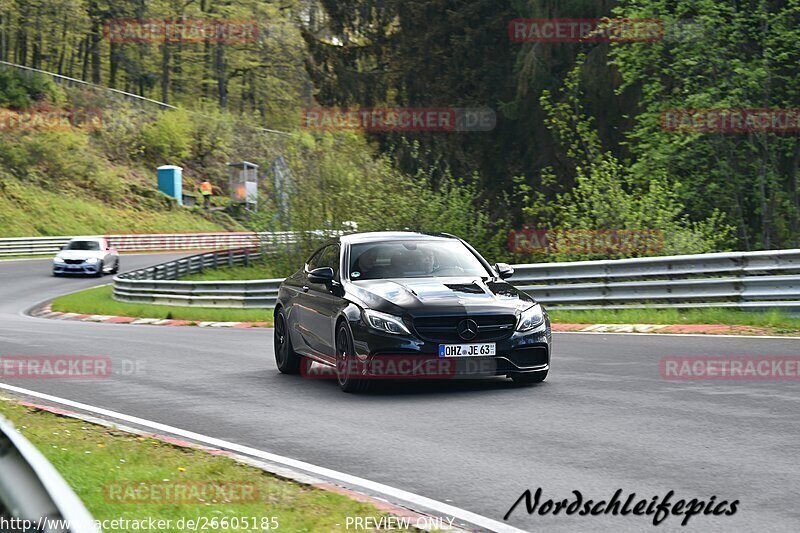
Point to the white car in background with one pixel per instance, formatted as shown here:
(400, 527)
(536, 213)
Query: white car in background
(86, 255)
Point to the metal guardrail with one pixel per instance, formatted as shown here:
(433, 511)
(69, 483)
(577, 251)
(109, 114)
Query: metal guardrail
(32, 490)
(158, 285)
(151, 242)
(748, 280)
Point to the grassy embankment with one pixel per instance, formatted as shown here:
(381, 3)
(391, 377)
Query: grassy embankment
(93, 459)
(98, 301)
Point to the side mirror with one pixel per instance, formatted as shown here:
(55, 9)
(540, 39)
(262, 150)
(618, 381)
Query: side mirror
(321, 275)
(504, 270)
(63, 247)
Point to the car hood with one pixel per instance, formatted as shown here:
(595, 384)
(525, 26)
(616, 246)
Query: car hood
(80, 254)
(422, 296)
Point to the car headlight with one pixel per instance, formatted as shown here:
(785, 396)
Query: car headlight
(385, 323)
(57, 260)
(531, 318)
(91, 261)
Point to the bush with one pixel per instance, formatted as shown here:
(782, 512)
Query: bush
(19, 90)
(168, 139)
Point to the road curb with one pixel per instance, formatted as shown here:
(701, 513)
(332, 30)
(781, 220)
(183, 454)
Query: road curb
(46, 311)
(281, 472)
(669, 329)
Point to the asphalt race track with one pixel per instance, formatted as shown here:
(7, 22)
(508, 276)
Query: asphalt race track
(604, 420)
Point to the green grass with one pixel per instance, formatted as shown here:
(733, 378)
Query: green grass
(89, 457)
(35, 211)
(98, 301)
(257, 271)
(772, 319)
(18, 257)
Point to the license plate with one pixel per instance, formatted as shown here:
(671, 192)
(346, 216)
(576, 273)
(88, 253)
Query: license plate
(467, 350)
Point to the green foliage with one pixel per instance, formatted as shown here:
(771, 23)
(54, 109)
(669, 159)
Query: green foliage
(607, 195)
(339, 179)
(22, 90)
(27, 210)
(168, 138)
(720, 55)
(63, 182)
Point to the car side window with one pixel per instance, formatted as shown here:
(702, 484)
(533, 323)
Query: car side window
(330, 258)
(314, 261)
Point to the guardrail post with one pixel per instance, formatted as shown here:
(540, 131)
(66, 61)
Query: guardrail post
(247, 258)
(230, 258)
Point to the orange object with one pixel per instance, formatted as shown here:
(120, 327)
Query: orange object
(206, 188)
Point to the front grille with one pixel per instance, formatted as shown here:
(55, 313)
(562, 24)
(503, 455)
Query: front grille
(527, 357)
(444, 328)
(73, 261)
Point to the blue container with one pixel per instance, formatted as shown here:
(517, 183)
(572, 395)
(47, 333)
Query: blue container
(170, 182)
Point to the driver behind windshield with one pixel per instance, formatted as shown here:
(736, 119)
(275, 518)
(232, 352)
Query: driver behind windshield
(401, 260)
(426, 260)
(367, 266)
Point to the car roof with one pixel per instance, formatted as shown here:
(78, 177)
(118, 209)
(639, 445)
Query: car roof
(377, 236)
(92, 238)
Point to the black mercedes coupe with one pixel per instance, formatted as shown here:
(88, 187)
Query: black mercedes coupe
(404, 305)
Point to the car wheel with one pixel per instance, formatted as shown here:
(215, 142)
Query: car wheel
(346, 372)
(531, 377)
(286, 358)
(116, 268)
(100, 268)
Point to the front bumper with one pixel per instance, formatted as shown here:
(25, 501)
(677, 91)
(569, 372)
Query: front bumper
(82, 268)
(383, 355)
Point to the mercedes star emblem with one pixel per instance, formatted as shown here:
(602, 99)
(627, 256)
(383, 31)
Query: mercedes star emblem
(467, 329)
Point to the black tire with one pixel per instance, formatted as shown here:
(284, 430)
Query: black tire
(116, 268)
(100, 268)
(532, 377)
(286, 358)
(345, 367)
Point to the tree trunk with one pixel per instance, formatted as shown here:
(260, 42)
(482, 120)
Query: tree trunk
(4, 20)
(165, 71)
(95, 37)
(113, 65)
(219, 71)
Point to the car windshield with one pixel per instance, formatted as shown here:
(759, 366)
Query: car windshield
(83, 245)
(413, 259)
